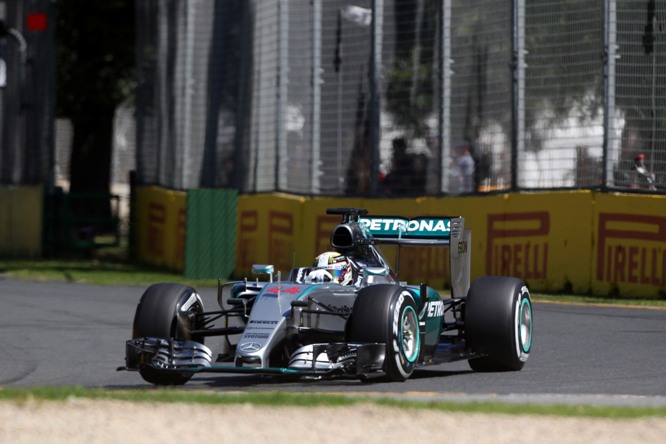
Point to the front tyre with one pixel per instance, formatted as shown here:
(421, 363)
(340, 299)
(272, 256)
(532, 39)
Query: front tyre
(167, 311)
(498, 323)
(388, 314)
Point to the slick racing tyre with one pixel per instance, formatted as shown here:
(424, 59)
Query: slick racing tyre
(388, 314)
(167, 311)
(498, 323)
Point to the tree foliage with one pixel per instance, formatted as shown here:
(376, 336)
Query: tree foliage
(95, 72)
(410, 95)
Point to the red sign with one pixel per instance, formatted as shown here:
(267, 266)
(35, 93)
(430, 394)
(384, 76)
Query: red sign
(156, 228)
(423, 264)
(247, 242)
(515, 250)
(628, 261)
(36, 22)
(280, 240)
(179, 251)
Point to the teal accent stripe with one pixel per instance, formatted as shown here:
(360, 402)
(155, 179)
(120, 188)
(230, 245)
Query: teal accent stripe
(527, 346)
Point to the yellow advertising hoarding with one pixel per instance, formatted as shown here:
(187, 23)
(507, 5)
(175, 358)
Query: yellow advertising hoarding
(21, 221)
(629, 253)
(160, 226)
(576, 241)
(542, 238)
(269, 232)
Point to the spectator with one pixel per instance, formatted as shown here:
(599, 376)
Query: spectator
(643, 178)
(464, 163)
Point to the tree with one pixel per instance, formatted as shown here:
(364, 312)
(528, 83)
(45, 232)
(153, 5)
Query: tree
(410, 95)
(95, 72)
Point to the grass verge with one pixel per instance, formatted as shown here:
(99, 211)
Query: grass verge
(281, 399)
(93, 271)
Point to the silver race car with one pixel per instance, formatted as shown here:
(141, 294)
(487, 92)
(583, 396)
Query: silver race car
(347, 314)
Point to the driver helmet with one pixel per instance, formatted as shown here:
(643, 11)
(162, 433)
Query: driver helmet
(331, 267)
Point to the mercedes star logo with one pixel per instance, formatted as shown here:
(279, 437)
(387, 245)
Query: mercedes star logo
(250, 347)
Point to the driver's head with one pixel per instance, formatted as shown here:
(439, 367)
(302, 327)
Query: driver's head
(331, 267)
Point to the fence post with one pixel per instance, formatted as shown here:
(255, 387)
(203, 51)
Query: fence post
(517, 87)
(375, 102)
(444, 79)
(281, 160)
(610, 54)
(185, 155)
(316, 96)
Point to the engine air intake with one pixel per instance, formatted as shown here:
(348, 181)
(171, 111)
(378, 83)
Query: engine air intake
(342, 237)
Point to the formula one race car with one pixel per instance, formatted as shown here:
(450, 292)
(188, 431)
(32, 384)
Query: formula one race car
(346, 315)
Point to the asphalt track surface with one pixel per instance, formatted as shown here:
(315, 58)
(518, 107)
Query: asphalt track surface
(62, 334)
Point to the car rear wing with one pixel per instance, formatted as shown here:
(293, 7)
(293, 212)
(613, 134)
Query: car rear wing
(427, 232)
(420, 231)
(358, 228)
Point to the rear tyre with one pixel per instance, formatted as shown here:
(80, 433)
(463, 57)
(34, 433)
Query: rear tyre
(167, 311)
(498, 323)
(388, 314)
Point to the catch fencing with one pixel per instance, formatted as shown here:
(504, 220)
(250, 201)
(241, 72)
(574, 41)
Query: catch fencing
(401, 97)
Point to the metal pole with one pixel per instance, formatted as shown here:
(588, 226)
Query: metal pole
(281, 175)
(518, 88)
(20, 132)
(340, 76)
(51, 99)
(375, 100)
(653, 135)
(165, 172)
(316, 96)
(444, 115)
(610, 50)
(188, 92)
